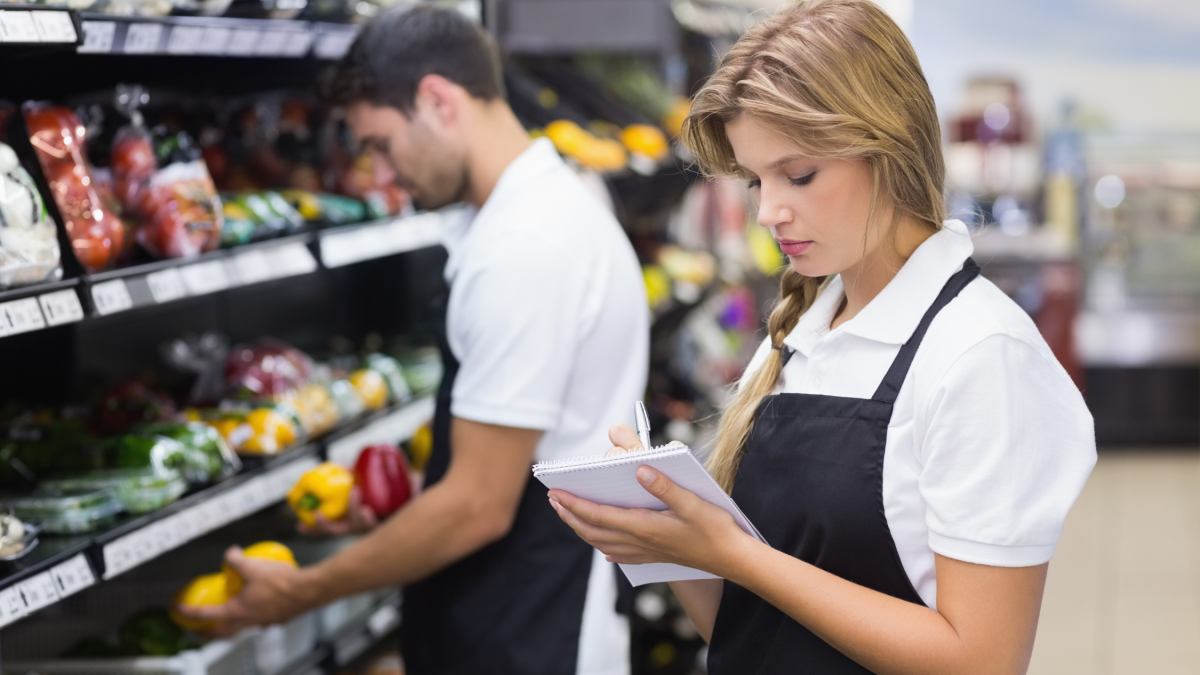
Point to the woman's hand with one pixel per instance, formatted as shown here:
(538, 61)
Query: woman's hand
(691, 532)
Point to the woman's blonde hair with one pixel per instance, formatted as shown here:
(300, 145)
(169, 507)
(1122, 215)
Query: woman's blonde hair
(840, 79)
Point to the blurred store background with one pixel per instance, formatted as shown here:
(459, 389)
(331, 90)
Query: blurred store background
(1072, 134)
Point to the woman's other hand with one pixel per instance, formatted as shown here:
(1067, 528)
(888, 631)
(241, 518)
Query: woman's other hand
(691, 532)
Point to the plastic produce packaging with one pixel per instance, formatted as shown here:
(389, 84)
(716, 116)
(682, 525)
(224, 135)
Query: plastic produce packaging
(208, 457)
(73, 512)
(28, 243)
(58, 139)
(266, 370)
(138, 490)
(166, 188)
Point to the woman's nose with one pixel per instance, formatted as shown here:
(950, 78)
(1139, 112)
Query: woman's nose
(771, 211)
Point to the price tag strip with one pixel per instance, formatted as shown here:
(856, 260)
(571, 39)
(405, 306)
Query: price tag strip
(18, 26)
(97, 37)
(72, 576)
(185, 40)
(54, 26)
(143, 38)
(382, 239)
(206, 277)
(147, 543)
(21, 316)
(394, 428)
(111, 297)
(12, 605)
(166, 285)
(61, 307)
(334, 44)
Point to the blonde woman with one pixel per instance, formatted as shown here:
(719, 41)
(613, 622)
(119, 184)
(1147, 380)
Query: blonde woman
(904, 439)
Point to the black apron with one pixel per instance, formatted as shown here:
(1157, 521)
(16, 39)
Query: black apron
(513, 607)
(811, 481)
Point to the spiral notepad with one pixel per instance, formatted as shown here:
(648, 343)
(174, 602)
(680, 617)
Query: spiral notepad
(613, 481)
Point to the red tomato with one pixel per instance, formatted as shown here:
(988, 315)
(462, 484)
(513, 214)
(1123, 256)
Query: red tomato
(133, 155)
(381, 474)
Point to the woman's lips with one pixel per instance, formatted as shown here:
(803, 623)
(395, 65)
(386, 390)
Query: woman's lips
(792, 247)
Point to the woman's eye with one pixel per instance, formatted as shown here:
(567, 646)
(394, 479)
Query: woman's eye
(803, 180)
(754, 183)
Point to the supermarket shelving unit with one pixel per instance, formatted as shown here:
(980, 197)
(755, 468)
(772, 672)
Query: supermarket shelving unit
(306, 288)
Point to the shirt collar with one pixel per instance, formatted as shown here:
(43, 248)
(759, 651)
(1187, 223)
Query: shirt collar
(538, 159)
(894, 314)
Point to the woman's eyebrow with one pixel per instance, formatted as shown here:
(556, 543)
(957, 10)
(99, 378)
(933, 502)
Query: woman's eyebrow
(788, 159)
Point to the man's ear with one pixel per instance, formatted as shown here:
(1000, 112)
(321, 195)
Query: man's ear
(440, 99)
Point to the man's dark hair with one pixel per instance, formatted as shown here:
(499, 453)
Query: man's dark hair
(398, 48)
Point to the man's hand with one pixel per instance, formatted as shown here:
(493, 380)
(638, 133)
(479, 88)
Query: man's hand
(359, 519)
(272, 592)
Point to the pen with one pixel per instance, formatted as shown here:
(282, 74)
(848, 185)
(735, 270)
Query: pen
(642, 424)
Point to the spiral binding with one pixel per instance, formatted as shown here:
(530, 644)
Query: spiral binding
(571, 464)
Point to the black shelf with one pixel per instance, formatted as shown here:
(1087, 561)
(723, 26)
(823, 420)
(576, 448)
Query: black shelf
(61, 566)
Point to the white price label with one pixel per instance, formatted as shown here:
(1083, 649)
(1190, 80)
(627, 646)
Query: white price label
(166, 285)
(12, 605)
(242, 42)
(21, 316)
(271, 43)
(39, 592)
(54, 26)
(291, 260)
(298, 43)
(119, 556)
(334, 45)
(215, 40)
(73, 576)
(205, 277)
(251, 267)
(143, 38)
(111, 296)
(97, 37)
(61, 307)
(19, 26)
(185, 40)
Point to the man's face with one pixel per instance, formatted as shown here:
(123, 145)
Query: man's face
(428, 160)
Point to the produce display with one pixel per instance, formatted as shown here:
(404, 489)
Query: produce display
(28, 242)
(59, 140)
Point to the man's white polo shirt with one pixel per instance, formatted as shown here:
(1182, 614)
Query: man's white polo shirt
(548, 320)
(990, 442)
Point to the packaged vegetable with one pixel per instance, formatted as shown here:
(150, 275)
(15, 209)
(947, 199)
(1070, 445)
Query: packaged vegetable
(381, 474)
(393, 376)
(263, 550)
(259, 431)
(140, 490)
(346, 398)
(209, 457)
(157, 453)
(324, 490)
(371, 388)
(28, 242)
(267, 369)
(59, 139)
(317, 410)
(72, 512)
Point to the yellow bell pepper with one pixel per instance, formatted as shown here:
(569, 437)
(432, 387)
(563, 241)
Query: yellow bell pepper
(210, 589)
(647, 140)
(263, 550)
(266, 431)
(324, 490)
(371, 388)
(420, 447)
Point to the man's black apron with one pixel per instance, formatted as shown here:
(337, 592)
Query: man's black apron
(811, 481)
(513, 607)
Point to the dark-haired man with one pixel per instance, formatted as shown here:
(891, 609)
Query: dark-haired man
(545, 344)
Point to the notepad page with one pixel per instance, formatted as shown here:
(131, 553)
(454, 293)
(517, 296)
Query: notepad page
(613, 481)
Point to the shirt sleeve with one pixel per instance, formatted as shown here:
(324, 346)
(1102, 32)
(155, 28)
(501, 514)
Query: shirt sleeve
(1008, 447)
(515, 331)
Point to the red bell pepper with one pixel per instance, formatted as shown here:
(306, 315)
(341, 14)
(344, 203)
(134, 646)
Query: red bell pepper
(381, 474)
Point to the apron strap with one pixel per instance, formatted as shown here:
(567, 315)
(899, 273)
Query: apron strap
(890, 387)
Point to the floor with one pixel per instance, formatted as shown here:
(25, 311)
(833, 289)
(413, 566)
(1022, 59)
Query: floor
(1123, 594)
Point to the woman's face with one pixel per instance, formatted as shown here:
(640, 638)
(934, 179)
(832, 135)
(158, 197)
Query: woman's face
(816, 208)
